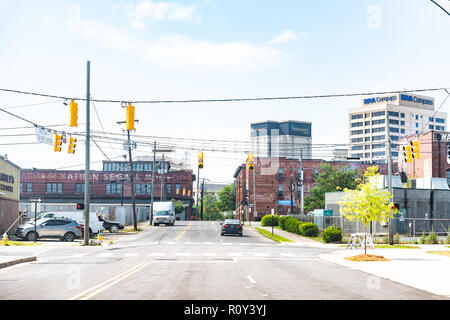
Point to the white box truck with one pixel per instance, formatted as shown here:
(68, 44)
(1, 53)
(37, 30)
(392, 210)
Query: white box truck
(163, 213)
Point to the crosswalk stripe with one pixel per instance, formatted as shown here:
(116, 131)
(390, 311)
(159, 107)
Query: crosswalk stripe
(261, 254)
(131, 254)
(184, 254)
(78, 255)
(157, 254)
(209, 254)
(287, 254)
(106, 254)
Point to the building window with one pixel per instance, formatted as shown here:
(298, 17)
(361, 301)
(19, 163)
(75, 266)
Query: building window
(417, 117)
(440, 120)
(54, 187)
(367, 155)
(381, 121)
(315, 173)
(355, 132)
(431, 119)
(440, 128)
(280, 190)
(402, 130)
(357, 124)
(394, 153)
(377, 114)
(392, 121)
(394, 138)
(378, 129)
(29, 188)
(113, 188)
(378, 145)
(79, 188)
(354, 140)
(378, 154)
(431, 126)
(402, 115)
(280, 173)
(168, 189)
(448, 177)
(357, 148)
(417, 125)
(394, 114)
(376, 138)
(143, 188)
(177, 189)
(393, 129)
(357, 116)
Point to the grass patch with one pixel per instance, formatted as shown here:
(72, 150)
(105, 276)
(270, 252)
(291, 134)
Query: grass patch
(20, 243)
(273, 237)
(441, 253)
(131, 229)
(395, 246)
(367, 257)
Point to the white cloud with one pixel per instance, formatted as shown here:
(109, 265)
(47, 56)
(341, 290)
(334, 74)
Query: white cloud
(178, 51)
(159, 11)
(285, 36)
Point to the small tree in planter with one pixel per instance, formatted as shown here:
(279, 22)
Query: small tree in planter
(367, 203)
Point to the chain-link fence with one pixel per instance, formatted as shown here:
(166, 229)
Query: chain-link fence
(403, 226)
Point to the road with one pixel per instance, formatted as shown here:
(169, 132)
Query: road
(190, 261)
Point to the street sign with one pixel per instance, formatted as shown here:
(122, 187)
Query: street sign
(284, 202)
(44, 135)
(328, 213)
(127, 144)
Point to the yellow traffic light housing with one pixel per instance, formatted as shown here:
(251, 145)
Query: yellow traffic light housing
(72, 145)
(73, 114)
(415, 149)
(407, 152)
(250, 162)
(130, 117)
(58, 143)
(200, 160)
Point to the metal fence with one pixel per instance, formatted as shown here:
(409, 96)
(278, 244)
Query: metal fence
(403, 226)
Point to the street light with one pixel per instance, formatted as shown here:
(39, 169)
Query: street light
(272, 221)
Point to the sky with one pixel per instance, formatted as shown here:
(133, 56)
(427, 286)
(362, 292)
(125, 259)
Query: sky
(208, 49)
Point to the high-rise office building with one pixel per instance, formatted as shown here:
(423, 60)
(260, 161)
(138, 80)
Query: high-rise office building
(286, 139)
(393, 115)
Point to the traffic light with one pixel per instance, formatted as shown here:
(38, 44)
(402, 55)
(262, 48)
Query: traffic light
(130, 117)
(72, 145)
(407, 153)
(80, 206)
(250, 162)
(200, 160)
(73, 114)
(58, 143)
(415, 149)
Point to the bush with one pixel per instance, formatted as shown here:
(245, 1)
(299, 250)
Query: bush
(292, 225)
(432, 238)
(422, 238)
(385, 239)
(396, 238)
(309, 229)
(332, 234)
(267, 220)
(282, 222)
(448, 238)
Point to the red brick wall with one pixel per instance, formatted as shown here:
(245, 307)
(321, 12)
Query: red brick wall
(9, 211)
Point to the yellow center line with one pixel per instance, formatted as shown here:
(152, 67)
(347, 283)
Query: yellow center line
(87, 294)
(183, 231)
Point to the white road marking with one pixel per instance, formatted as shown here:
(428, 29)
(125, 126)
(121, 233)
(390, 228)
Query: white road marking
(208, 243)
(208, 254)
(227, 243)
(236, 254)
(245, 244)
(152, 243)
(157, 254)
(183, 254)
(251, 279)
(190, 242)
(261, 254)
(131, 254)
(79, 255)
(103, 255)
(172, 242)
(287, 254)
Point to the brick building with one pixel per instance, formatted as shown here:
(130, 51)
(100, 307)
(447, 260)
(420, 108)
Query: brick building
(434, 158)
(110, 187)
(9, 194)
(272, 179)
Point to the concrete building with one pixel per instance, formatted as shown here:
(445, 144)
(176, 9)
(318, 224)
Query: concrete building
(61, 190)
(273, 176)
(393, 115)
(434, 161)
(282, 139)
(9, 194)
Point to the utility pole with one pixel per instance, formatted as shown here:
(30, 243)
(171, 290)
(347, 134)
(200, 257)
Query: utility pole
(302, 182)
(254, 194)
(203, 190)
(153, 181)
(198, 181)
(389, 163)
(162, 177)
(291, 189)
(133, 200)
(87, 157)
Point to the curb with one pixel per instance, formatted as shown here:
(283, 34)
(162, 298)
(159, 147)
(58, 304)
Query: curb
(17, 261)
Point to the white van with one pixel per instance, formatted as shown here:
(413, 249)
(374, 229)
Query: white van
(94, 224)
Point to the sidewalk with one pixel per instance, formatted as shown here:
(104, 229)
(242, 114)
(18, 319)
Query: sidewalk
(6, 261)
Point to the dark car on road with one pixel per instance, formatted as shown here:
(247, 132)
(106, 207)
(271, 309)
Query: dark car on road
(111, 226)
(231, 226)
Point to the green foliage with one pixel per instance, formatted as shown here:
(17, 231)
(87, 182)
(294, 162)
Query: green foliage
(332, 234)
(267, 220)
(282, 222)
(423, 238)
(308, 229)
(291, 225)
(432, 238)
(448, 238)
(226, 199)
(178, 205)
(329, 179)
(396, 238)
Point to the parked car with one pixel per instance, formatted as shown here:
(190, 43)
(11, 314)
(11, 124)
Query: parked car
(94, 224)
(231, 226)
(111, 226)
(65, 229)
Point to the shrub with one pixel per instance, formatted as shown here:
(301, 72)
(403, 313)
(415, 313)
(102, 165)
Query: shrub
(432, 238)
(292, 225)
(267, 220)
(448, 238)
(385, 239)
(332, 234)
(309, 229)
(422, 238)
(282, 222)
(396, 238)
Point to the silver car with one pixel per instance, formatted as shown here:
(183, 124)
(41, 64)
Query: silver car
(65, 229)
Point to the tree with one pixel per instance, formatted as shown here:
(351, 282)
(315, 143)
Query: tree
(329, 179)
(226, 199)
(211, 211)
(367, 203)
(178, 205)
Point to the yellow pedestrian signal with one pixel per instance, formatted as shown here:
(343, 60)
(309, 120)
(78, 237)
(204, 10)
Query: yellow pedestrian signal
(200, 160)
(250, 162)
(415, 149)
(407, 153)
(72, 145)
(73, 114)
(58, 143)
(130, 117)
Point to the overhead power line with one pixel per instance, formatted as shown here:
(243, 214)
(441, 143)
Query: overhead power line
(440, 7)
(226, 99)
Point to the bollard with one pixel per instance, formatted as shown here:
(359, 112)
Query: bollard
(5, 239)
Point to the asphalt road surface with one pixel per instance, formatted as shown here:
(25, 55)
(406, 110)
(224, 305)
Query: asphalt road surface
(190, 261)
